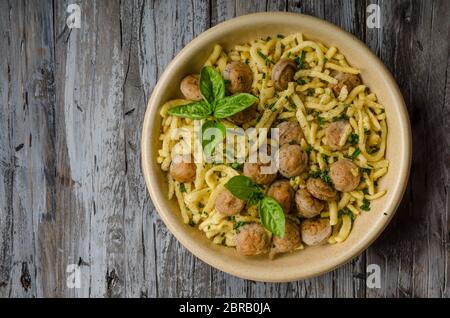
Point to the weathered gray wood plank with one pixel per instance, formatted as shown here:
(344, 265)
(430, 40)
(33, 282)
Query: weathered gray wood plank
(27, 96)
(71, 189)
(413, 43)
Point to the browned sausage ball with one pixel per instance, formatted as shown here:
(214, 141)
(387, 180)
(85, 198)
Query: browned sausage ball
(289, 242)
(345, 175)
(344, 79)
(315, 231)
(252, 239)
(228, 204)
(307, 205)
(334, 133)
(320, 189)
(183, 169)
(253, 171)
(239, 77)
(282, 192)
(290, 133)
(293, 160)
(283, 72)
(189, 87)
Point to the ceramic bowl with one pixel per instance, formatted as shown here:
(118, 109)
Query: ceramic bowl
(311, 261)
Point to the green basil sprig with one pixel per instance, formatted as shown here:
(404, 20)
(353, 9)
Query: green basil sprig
(270, 211)
(214, 104)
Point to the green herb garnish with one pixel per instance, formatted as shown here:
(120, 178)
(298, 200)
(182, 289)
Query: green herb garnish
(355, 154)
(366, 205)
(321, 121)
(270, 211)
(300, 60)
(353, 139)
(265, 57)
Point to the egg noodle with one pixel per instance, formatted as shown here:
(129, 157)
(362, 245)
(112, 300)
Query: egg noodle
(310, 102)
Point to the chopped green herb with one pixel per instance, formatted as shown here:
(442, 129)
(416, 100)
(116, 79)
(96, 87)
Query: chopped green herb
(366, 131)
(309, 149)
(310, 91)
(200, 205)
(266, 59)
(342, 116)
(268, 38)
(232, 218)
(347, 211)
(239, 224)
(321, 121)
(365, 191)
(353, 139)
(366, 205)
(315, 173)
(182, 188)
(301, 82)
(355, 154)
(280, 36)
(325, 60)
(264, 75)
(326, 178)
(366, 170)
(289, 54)
(325, 158)
(322, 174)
(246, 61)
(191, 223)
(300, 60)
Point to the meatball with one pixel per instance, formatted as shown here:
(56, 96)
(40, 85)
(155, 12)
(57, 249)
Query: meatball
(182, 169)
(315, 231)
(282, 192)
(253, 171)
(283, 72)
(307, 205)
(189, 87)
(344, 79)
(292, 160)
(290, 133)
(239, 77)
(320, 189)
(334, 133)
(228, 204)
(345, 175)
(289, 242)
(245, 115)
(252, 239)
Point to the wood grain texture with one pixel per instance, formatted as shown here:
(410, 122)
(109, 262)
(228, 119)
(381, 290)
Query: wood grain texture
(71, 188)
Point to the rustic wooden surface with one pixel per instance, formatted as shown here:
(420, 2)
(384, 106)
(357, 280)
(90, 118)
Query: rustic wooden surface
(71, 190)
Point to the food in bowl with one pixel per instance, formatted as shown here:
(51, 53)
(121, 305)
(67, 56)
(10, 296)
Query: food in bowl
(306, 106)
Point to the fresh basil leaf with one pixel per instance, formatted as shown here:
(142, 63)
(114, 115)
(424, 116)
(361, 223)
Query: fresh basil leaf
(231, 105)
(217, 133)
(243, 188)
(212, 85)
(195, 110)
(272, 216)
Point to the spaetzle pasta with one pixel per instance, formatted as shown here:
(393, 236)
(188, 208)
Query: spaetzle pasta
(342, 124)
